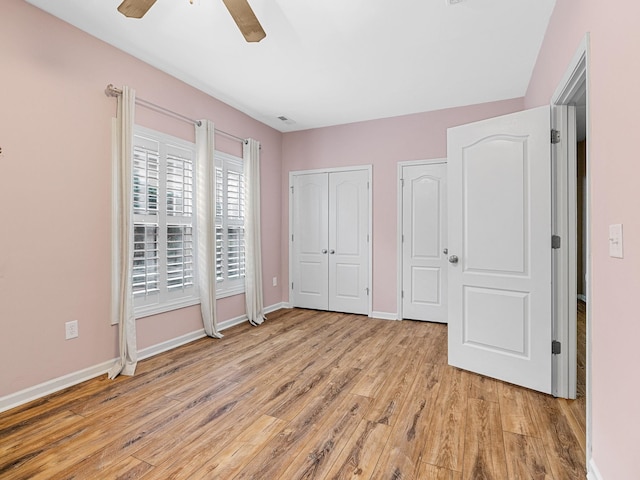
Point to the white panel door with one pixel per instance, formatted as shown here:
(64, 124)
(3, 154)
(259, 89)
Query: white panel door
(348, 243)
(424, 233)
(499, 183)
(310, 246)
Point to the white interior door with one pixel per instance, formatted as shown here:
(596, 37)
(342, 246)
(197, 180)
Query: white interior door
(424, 233)
(310, 272)
(330, 241)
(348, 242)
(499, 182)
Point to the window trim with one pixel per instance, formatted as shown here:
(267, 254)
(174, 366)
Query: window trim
(169, 302)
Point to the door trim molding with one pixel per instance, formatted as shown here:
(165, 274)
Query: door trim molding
(399, 259)
(294, 173)
(574, 83)
(564, 154)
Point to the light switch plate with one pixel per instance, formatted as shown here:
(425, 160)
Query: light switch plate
(615, 240)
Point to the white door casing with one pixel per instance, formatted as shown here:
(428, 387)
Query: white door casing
(330, 240)
(499, 182)
(424, 233)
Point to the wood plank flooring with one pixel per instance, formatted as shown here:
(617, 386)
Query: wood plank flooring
(307, 395)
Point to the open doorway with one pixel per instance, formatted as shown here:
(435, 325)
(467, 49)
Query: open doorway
(581, 254)
(572, 259)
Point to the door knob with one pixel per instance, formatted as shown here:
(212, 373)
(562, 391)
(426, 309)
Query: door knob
(324, 250)
(453, 259)
(445, 251)
(332, 251)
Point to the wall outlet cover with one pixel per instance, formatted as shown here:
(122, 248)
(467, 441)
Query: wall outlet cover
(71, 329)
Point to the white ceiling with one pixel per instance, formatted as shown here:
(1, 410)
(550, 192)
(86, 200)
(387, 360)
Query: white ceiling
(329, 62)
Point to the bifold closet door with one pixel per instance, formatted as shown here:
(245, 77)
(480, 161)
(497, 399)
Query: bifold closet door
(330, 261)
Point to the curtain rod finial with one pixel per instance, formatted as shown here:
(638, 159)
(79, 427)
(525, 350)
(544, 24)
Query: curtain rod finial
(110, 91)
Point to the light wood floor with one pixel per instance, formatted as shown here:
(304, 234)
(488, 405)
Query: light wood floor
(578, 407)
(308, 395)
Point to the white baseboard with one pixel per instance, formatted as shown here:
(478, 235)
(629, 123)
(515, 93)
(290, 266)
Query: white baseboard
(32, 393)
(51, 386)
(243, 318)
(593, 473)
(232, 322)
(275, 306)
(384, 315)
(169, 344)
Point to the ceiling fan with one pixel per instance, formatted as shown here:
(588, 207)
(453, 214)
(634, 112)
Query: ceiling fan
(240, 10)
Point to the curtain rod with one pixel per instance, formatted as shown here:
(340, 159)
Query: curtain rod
(112, 91)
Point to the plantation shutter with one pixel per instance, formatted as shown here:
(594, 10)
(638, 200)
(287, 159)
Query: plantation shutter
(179, 208)
(230, 205)
(235, 230)
(146, 191)
(164, 252)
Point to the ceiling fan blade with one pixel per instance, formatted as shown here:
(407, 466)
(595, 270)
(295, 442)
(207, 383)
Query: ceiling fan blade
(135, 8)
(246, 20)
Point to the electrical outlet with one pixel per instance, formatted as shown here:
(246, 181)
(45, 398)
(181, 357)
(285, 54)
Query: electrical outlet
(71, 329)
(275, 281)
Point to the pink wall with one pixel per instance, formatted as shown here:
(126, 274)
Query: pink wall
(381, 143)
(55, 191)
(55, 242)
(614, 171)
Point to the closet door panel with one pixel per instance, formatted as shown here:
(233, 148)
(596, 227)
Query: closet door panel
(310, 241)
(348, 243)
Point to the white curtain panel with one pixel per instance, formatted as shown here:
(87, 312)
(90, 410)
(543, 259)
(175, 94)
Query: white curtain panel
(126, 364)
(206, 200)
(253, 250)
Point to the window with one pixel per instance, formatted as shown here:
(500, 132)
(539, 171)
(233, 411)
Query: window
(230, 270)
(164, 219)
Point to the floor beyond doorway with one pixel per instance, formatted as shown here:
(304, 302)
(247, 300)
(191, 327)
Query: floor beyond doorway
(578, 408)
(306, 395)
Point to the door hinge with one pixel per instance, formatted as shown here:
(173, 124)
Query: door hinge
(402, 182)
(555, 241)
(291, 189)
(403, 238)
(556, 347)
(292, 237)
(367, 238)
(555, 136)
(402, 294)
(367, 185)
(367, 289)
(291, 285)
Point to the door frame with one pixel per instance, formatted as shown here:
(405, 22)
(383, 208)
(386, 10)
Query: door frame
(369, 170)
(573, 85)
(409, 163)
